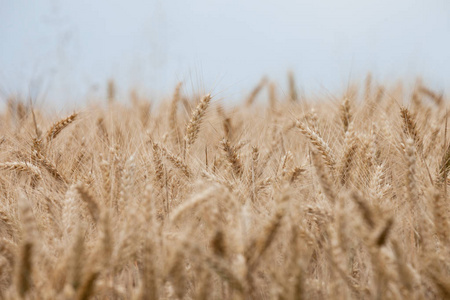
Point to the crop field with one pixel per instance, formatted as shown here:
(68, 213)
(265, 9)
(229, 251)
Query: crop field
(277, 196)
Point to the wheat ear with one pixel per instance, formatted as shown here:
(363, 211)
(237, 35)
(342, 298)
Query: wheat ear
(193, 126)
(21, 167)
(57, 127)
(319, 143)
(410, 127)
(232, 157)
(175, 160)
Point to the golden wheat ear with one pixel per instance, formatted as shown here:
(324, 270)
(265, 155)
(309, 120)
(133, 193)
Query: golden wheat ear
(176, 161)
(193, 126)
(293, 94)
(319, 144)
(346, 115)
(232, 157)
(251, 98)
(24, 167)
(410, 127)
(57, 127)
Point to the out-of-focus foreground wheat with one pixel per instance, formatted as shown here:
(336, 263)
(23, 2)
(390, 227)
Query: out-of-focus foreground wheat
(189, 199)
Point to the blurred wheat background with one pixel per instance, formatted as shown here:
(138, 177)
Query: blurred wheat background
(159, 151)
(63, 52)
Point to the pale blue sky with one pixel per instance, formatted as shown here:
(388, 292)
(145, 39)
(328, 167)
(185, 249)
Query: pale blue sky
(64, 51)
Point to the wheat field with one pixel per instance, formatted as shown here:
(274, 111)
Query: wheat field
(323, 197)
